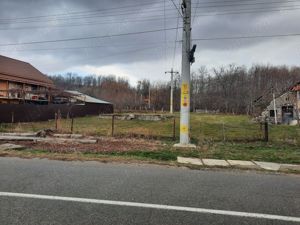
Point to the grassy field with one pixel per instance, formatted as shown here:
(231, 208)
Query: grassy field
(218, 136)
(204, 128)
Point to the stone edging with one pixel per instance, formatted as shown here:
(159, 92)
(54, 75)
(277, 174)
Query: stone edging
(276, 167)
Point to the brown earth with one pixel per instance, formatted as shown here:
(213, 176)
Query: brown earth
(104, 145)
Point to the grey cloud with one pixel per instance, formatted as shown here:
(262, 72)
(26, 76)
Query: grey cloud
(129, 49)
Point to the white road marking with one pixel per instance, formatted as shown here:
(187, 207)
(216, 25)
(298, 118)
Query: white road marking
(154, 206)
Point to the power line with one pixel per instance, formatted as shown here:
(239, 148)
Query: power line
(240, 11)
(90, 23)
(165, 34)
(260, 8)
(221, 3)
(246, 12)
(103, 10)
(176, 8)
(86, 38)
(176, 37)
(246, 37)
(247, 4)
(195, 11)
(131, 13)
(108, 45)
(80, 12)
(122, 53)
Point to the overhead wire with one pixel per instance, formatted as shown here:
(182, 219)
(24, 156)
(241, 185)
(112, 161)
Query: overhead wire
(82, 12)
(246, 37)
(243, 9)
(176, 37)
(107, 45)
(176, 8)
(195, 11)
(247, 12)
(127, 14)
(90, 23)
(87, 38)
(246, 4)
(165, 35)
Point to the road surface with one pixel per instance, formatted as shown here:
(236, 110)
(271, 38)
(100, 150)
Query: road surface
(38, 192)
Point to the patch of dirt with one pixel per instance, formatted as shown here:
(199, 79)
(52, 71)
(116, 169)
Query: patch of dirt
(103, 145)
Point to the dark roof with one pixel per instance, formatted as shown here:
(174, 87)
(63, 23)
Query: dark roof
(296, 87)
(19, 71)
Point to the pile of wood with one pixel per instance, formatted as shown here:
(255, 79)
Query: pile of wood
(48, 137)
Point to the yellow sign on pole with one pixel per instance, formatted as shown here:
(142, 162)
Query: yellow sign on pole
(185, 95)
(183, 128)
(185, 88)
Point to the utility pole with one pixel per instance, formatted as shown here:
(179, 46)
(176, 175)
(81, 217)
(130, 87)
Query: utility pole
(149, 101)
(187, 59)
(274, 105)
(172, 88)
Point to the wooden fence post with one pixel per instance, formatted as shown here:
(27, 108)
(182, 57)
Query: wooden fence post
(174, 128)
(112, 125)
(223, 131)
(266, 136)
(12, 117)
(72, 124)
(58, 121)
(55, 117)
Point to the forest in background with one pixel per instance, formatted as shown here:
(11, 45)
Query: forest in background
(228, 89)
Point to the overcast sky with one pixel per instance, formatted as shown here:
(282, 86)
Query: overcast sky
(146, 55)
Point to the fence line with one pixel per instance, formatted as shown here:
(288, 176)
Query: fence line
(166, 128)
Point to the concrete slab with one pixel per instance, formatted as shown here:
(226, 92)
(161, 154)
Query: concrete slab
(184, 146)
(287, 167)
(17, 138)
(242, 164)
(19, 134)
(49, 140)
(67, 140)
(192, 161)
(268, 165)
(215, 162)
(9, 146)
(68, 135)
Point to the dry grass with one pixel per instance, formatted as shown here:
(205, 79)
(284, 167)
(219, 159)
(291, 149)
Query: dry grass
(204, 128)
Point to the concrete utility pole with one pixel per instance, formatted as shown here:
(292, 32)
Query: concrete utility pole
(187, 59)
(274, 105)
(149, 101)
(172, 89)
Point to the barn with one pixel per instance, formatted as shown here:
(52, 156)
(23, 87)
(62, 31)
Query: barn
(285, 109)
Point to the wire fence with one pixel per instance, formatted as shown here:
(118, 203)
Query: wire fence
(164, 127)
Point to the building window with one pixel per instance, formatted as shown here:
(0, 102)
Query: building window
(272, 114)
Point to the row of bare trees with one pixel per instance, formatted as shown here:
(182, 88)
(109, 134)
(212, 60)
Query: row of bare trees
(228, 89)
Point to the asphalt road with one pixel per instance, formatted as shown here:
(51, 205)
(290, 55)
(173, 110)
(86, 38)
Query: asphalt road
(249, 192)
